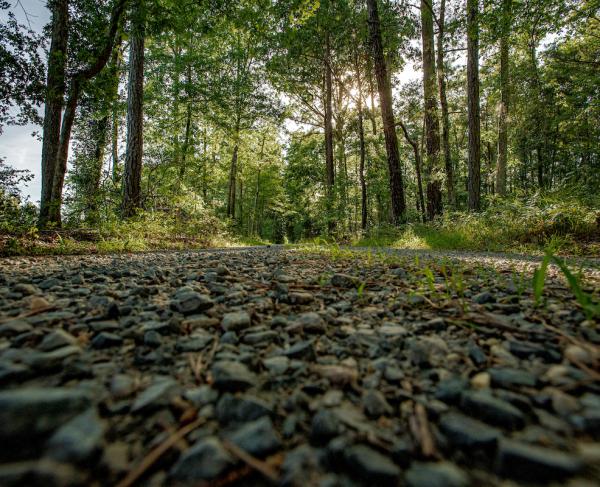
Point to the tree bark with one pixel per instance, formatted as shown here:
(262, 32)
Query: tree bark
(361, 139)
(474, 162)
(329, 162)
(444, 107)
(432, 125)
(132, 175)
(387, 115)
(55, 88)
(232, 180)
(415, 146)
(504, 100)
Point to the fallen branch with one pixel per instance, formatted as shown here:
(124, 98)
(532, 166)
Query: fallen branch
(152, 457)
(263, 467)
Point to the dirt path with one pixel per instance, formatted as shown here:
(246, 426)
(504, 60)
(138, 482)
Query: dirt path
(292, 367)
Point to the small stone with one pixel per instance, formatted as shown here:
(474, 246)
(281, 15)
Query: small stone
(311, 322)
(577, 354)
(24, 288)
(375, 404)
(230, 375)
(205, 460)
(152, 339)
(201, 396)
(30, 414)
(78, 440)
(443, 474)
(468, 433)
(484, 298)
(190, 302)
(257, 438)
(325, 425)
(528, 462)
(300, 297)
(506, 377)
(157, 395)
(371, 465)
(344, 281)
(276, 365)
(15, 327)
(490, 409)
(237, 320)
(194, 343)
(481, 381)
(245, 408)
(57, 339)
(106, 340)
(122, 386)
(301, 350)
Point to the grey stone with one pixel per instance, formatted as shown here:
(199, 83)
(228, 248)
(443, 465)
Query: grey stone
(235, 321)
(492, 410)
(343, 280)
(245, 408)
(258, 437)
(78, 440)
(189, 302)
(106, 340)
(528, 462)
(57, 339)
(276, 365)
(443, 474)
(205, 460)
(375, 404)
(230, 375)
(157, 395)
(465, 432)
(371, 465)
(507, 377)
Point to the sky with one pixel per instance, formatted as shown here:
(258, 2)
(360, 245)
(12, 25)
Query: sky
(18, 147)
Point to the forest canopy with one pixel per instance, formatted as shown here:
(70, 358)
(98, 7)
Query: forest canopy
(286, 120)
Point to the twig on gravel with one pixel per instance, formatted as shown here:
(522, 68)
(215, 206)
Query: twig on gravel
(152, 457)
(421, 430)
(33, 312)
(260, 466)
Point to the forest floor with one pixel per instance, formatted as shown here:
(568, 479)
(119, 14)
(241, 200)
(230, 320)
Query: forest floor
(303, 367)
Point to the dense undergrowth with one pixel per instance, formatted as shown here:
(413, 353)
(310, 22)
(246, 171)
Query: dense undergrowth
(565, 221)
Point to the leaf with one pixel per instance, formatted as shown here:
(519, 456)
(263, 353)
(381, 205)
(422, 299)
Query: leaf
(539, 277)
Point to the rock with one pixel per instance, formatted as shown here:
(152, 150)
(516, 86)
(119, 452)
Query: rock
(525, 350)
(238, 320)
(122, 385)
(245, 408)
(443, 474)
(344, 281)
(300, 297)
(106, 340)
(57, 339)
(24, 288)
(157, 395)
(201, 396)
(152, 339)
(205, 460)
(506, 377)
(79, 440)
(258, 437)
(259, 337)
(229, 375)
(528, 462)
(30, 414)
(303, 350)
(194, 343)
(477, 355)
(41, 473)
(311, 322)
(390, 330)
(375, 404)
(325, 425)
(276, 365)
(15, 327)
(470, 434)
(337, 374)
(450, 390)
(577, 354)
(481, 381)
(490, 409)
(50, 361)
(300, 467)
(371, 465)
(484, 298)
(190, 302)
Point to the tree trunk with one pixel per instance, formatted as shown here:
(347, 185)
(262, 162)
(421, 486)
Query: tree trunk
(100, 133)
(329, 163)
(432, 125)
(504, 100)
(444, 107)
(361, 139)
(387, 115)
(415, 145)
(132, 175)
(55, 88)
(474, 162)
(232, 181)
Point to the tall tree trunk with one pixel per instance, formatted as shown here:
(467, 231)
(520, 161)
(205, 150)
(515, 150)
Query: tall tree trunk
(55, 88)
(387, 114)
(417, 152)
(432, 125)
(132, 175)
(444, 107)
(504, 100)
(361, 139)
(474, 162)
(115, 141)
(328, 120)
(232, 180)
(100, 133)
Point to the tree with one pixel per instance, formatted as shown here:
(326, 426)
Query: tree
(504, 99)
(132, 174)
(432, 126)
(474, 181)
(387, 115)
